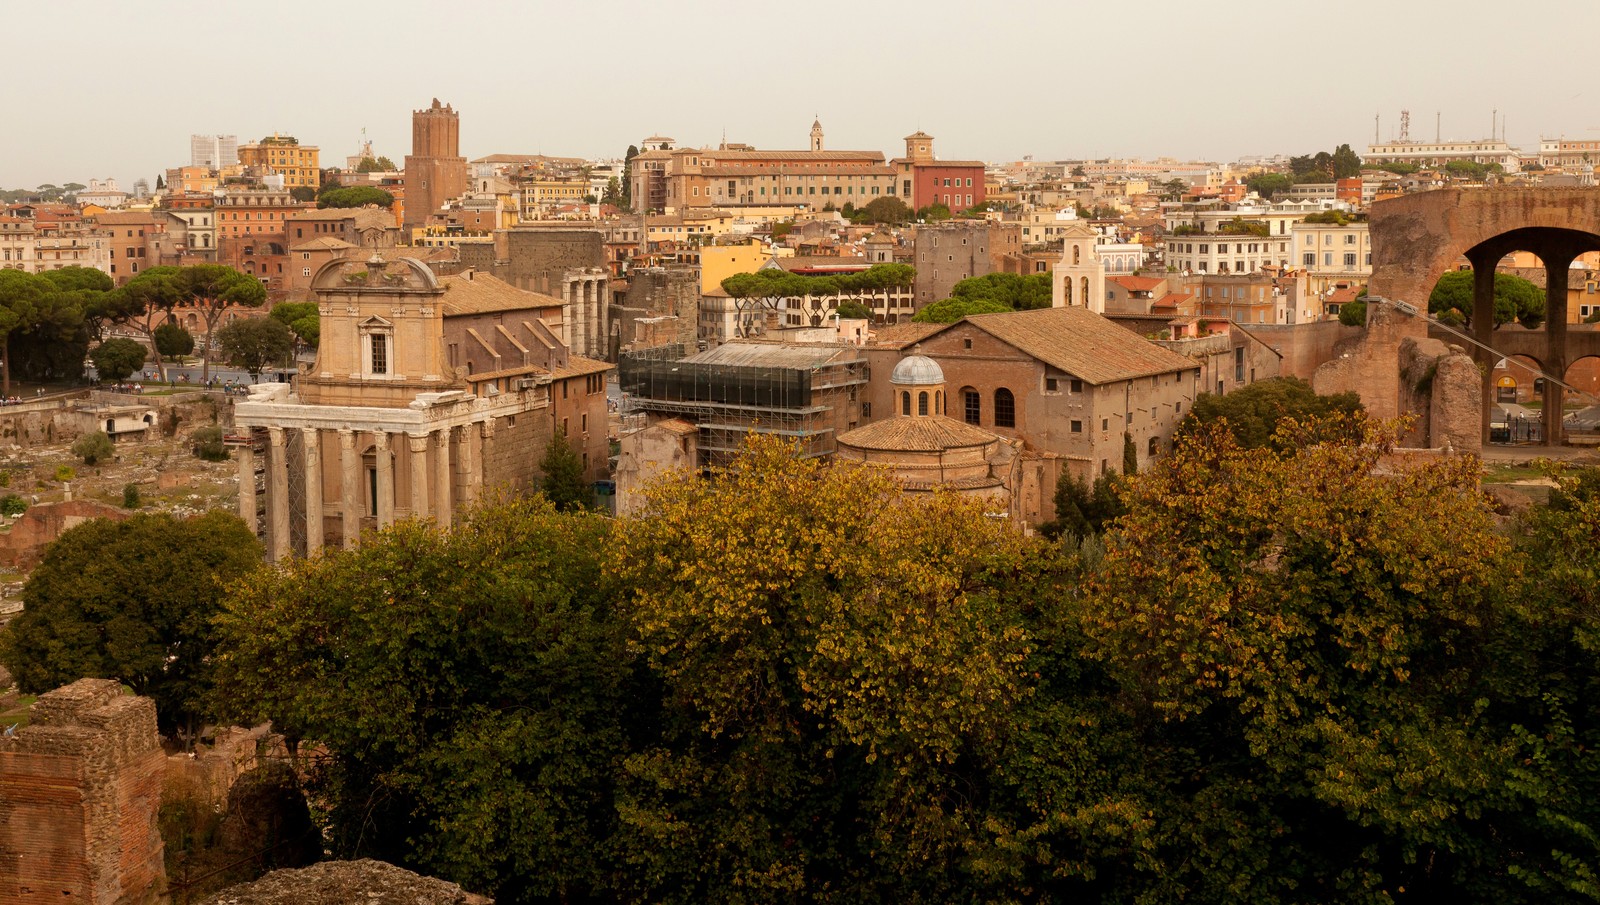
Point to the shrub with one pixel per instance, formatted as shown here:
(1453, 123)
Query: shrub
(65, 473)
(94, 448)
(208, 444)
(12, 505)
(130, 496)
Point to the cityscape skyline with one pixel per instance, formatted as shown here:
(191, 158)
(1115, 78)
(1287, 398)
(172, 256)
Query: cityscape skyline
(1050, 105)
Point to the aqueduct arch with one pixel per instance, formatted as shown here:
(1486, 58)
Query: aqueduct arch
(1418, 238)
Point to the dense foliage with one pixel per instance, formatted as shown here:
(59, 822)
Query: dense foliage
(1288, 670)
(133, 601)
(1515, 299)
(354, 196)
(1252, 413)
(255, 343)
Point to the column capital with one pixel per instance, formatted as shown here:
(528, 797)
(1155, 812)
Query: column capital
(419, 442)
(275, 436)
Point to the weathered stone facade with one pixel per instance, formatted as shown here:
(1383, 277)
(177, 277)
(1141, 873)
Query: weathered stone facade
(23, 546)
(80, 788)
(662, 306)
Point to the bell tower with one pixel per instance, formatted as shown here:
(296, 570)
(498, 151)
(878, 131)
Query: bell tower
(816, 135)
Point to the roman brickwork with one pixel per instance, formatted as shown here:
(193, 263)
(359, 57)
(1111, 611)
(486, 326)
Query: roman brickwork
(947, 253)
(662, 306)
(569, 264)
(435, 171)
(80, 788)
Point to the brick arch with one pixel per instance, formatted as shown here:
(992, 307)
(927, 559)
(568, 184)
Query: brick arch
(1417, 238)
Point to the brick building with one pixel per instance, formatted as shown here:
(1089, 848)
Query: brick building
(131, 239)
(1065, 381)
(435, 170)
(924, 180)
(947, 253)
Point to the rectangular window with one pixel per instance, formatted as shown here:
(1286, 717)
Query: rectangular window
(1350, 260)
(1077, 427)
(1327, 259)
(1050, 385)
(1310, 258)
(380, 353)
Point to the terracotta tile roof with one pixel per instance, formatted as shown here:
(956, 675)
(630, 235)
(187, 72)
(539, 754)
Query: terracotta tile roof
(577, 366)
(1172, 300)
(326, 243)
(125, 218)
(482, 294)
(1136, 283)
(1081, 343)
(929, 433)
(1343, 296)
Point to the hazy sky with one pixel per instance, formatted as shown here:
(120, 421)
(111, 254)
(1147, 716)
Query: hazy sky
(114, 87)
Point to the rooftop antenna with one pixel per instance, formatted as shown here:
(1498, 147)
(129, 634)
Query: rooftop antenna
(1438, 118)
(1377, 125)
(1494, 121)
(1405, 126)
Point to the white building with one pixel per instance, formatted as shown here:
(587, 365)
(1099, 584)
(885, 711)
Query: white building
(105, 194)
(1432, 153)
(1079, 278)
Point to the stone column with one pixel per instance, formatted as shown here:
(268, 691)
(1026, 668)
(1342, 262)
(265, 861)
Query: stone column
(574, 308)
(468, 452)
(385, 457)
(591, 308)
(277, 496)
(1483, 267)
(419, 475)
(247, 484)
(311, 445)
(485, 452)
(442, 476)
(1555, 337)
(349, 488)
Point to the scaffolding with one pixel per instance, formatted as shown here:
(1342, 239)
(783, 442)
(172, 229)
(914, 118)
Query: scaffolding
(726, 402)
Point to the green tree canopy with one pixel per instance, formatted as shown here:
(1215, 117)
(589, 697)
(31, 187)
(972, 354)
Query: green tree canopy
(887, 209)
(36, 319)
(118, 359)
(255, 343)
(1253, 413)
(354, 196)
(132, 601)
(561, 475)
(854, 309)
(302, 319)
(948, 311)
(1269, 184)
(1515, 299)
(369, 165)
(1019, 292)
(934, 212)
(172, 340)
(498, 696)
(211, 289)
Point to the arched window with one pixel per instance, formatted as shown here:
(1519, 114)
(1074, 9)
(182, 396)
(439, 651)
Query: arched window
(971, 406)
(905, 403)
(1005, 408)
(1155, 447)
(922, 403)
(938, 402)
(1086, 300)
(1067, 291)
(1076, 252)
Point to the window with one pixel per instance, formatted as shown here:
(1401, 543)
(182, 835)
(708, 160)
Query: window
(380, 353)
(1105, 425)
(866, 410)
(1077, 427)
(305, 271)
(922, 403)
(1350, 260)
(905, 403)
(972, 406)
(1155, 447)
(1350, 239)
(1005, 408)
(1310, 258)
(966, 344)
(1050, 385)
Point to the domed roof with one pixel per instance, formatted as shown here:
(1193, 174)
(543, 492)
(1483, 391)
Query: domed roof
(917, 370)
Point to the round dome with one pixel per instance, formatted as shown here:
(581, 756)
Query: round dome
(917, 370)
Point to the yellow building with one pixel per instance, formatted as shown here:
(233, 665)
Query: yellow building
(718, 262)
(284, 155)
(540, 193)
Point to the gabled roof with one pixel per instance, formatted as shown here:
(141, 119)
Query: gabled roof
(326, 243)
(480, 293)
(1136, 283)
(1081, 343)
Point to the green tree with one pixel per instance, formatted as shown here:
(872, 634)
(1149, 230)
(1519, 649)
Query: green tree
(887, 209)
(161, 182)
(133, 601)
(212, 289)
(613, 194)
(94, 448)
(380, 165)
(302, 319)
(150, 298)
(1333, 692)
(562, 478)
(1269, 184)
(303, 193)
(497, 696)
(1345, 162)
(1515, 299)
(627, 178)
(823, 712)
(1130, 455)
(854, 309)
(1079, 172)
(948, 311)
(255, 343)
(117, 359)
(934, 212)
(22, 296)
(173, 341)
(1253, 413)
(92, 292)
(1019, 292)
(354, 196)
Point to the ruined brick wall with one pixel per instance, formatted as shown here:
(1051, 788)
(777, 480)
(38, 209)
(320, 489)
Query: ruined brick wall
(536, 259)
(655, 293)
(511, 456)
(80, 788)
(23, 545)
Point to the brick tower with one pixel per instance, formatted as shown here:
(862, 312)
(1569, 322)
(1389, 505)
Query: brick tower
(435, 169)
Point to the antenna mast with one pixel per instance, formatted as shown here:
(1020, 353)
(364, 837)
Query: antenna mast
(1405, 126)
